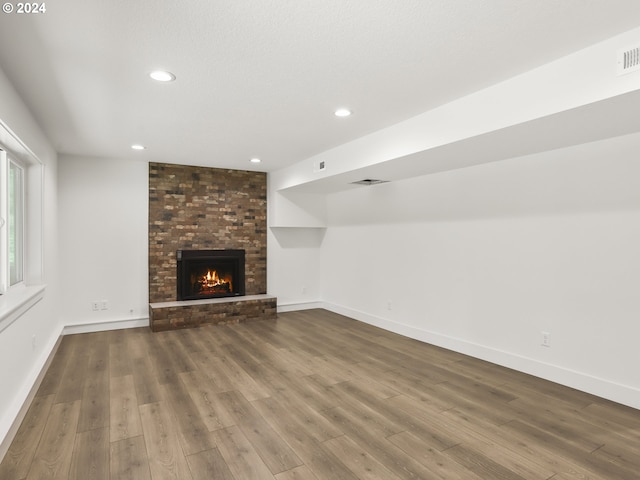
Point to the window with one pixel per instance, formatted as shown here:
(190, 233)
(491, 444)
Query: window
(16, 222)
(12, 221)
(22, 176)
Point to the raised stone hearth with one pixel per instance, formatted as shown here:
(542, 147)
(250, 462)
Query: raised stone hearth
(214, 311)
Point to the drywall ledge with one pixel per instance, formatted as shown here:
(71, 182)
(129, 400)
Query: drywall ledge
(584, 124)
(565, 102)
(18, 301)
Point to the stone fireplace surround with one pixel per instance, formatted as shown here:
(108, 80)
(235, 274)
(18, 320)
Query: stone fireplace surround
(194, 208)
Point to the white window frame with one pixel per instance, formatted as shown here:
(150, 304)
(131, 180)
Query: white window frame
(17, 299)
(6, 163)
(4, 219)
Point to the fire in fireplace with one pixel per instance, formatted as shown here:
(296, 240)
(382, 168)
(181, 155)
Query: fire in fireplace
(210, 273)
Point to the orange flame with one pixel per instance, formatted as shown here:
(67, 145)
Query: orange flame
(211, 280)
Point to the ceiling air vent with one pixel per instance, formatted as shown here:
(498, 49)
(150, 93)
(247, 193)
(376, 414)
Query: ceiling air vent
(628, 60)
(369, 181)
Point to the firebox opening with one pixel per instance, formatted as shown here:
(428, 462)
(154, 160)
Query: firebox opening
(210, 273)
(208, 281)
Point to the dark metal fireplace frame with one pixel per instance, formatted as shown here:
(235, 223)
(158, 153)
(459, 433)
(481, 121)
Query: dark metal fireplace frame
(186, 258)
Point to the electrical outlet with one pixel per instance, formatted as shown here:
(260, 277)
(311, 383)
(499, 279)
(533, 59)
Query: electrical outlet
(546, 339)
(104, 305)
(95, 306)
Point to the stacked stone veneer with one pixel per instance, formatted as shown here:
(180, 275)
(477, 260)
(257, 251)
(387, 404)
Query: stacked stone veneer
(205, 208)
(197, 313)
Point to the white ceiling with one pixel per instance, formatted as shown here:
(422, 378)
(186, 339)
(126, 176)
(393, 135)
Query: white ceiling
(263, 77)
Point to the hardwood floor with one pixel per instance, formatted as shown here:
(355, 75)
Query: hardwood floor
(312, 395)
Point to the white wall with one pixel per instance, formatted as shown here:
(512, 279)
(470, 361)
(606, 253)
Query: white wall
(103, 242)
(21, 361)
(492, 255)
(293, 265)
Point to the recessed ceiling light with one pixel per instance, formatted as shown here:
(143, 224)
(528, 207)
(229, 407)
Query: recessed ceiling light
(255, 160)
(162, 76)
(342, 112)
(138, 147)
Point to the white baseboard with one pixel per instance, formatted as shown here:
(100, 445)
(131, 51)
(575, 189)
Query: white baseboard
(104, 326)
(23, 402)
(600, 387)
(295, 306)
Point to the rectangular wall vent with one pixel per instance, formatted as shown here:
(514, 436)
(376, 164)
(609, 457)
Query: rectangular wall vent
(628, 60)
(319, 166)
(369, 181)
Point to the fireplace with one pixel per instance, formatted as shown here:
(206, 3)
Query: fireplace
(210, 273)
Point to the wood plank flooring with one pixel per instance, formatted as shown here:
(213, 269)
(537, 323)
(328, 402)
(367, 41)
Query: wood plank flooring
(311, 395)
